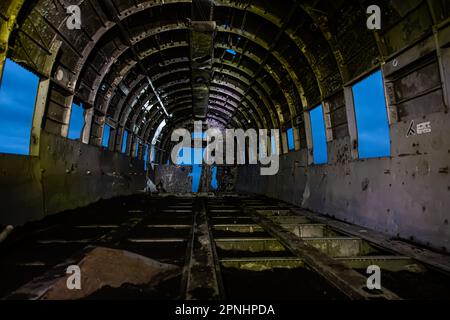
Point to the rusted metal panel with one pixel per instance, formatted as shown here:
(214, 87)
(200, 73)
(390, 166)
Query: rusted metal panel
(75, 174)
(20, 189)
(203, 281)
(348, 281)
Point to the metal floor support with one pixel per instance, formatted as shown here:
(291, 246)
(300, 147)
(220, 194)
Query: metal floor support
(225, 246)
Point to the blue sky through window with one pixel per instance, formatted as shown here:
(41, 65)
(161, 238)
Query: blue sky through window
(214, 183)
(189, 156)
(76, 122)
(192, 157)
(17, 99)
(136, 152)
(371, 117)
(106, 133)
(320, 152)
(124, 141)
(145, 156)
(290, 137)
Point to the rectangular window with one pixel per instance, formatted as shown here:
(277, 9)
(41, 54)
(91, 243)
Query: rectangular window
(76, 123)
(145, 156)
(124, 141)
(136, 152)
(214, 182)
(106, 134)
(18, 89)
(320, 152)
(290, 137)
(371, 117)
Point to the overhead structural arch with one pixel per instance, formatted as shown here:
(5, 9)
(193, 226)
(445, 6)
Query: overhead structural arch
(131, 62)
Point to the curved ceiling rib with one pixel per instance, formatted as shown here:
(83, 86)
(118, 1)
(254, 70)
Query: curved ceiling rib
(257, 90)
(270, 61)
(176, 26)
(110, 98)
(149, 130)
(140, 88)
(121, 73)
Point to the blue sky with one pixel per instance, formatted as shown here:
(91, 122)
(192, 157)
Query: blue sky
(371, 117)
(18, 94)
(106, 133)
(124, 141)
(320, 151)
(290, 137)
(76, 122)
(145, 156)
(194, 157)
(17, 98)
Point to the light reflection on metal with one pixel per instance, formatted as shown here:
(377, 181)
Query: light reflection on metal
(158, 131)
(158, 97)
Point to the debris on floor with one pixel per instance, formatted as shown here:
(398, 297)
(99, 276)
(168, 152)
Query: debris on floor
(103, 267)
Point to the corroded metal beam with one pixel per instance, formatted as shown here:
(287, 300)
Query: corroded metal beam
(225, 69)
(203, 271)
(202, 32)
(350, 282)
(10, 10)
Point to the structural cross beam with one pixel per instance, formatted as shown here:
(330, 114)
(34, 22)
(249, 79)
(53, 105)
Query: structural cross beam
(202, 31)
(125, 36)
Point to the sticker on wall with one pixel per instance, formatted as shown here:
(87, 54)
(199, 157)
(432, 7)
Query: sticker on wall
(424, 128)
(421, 128)
(411, 130)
